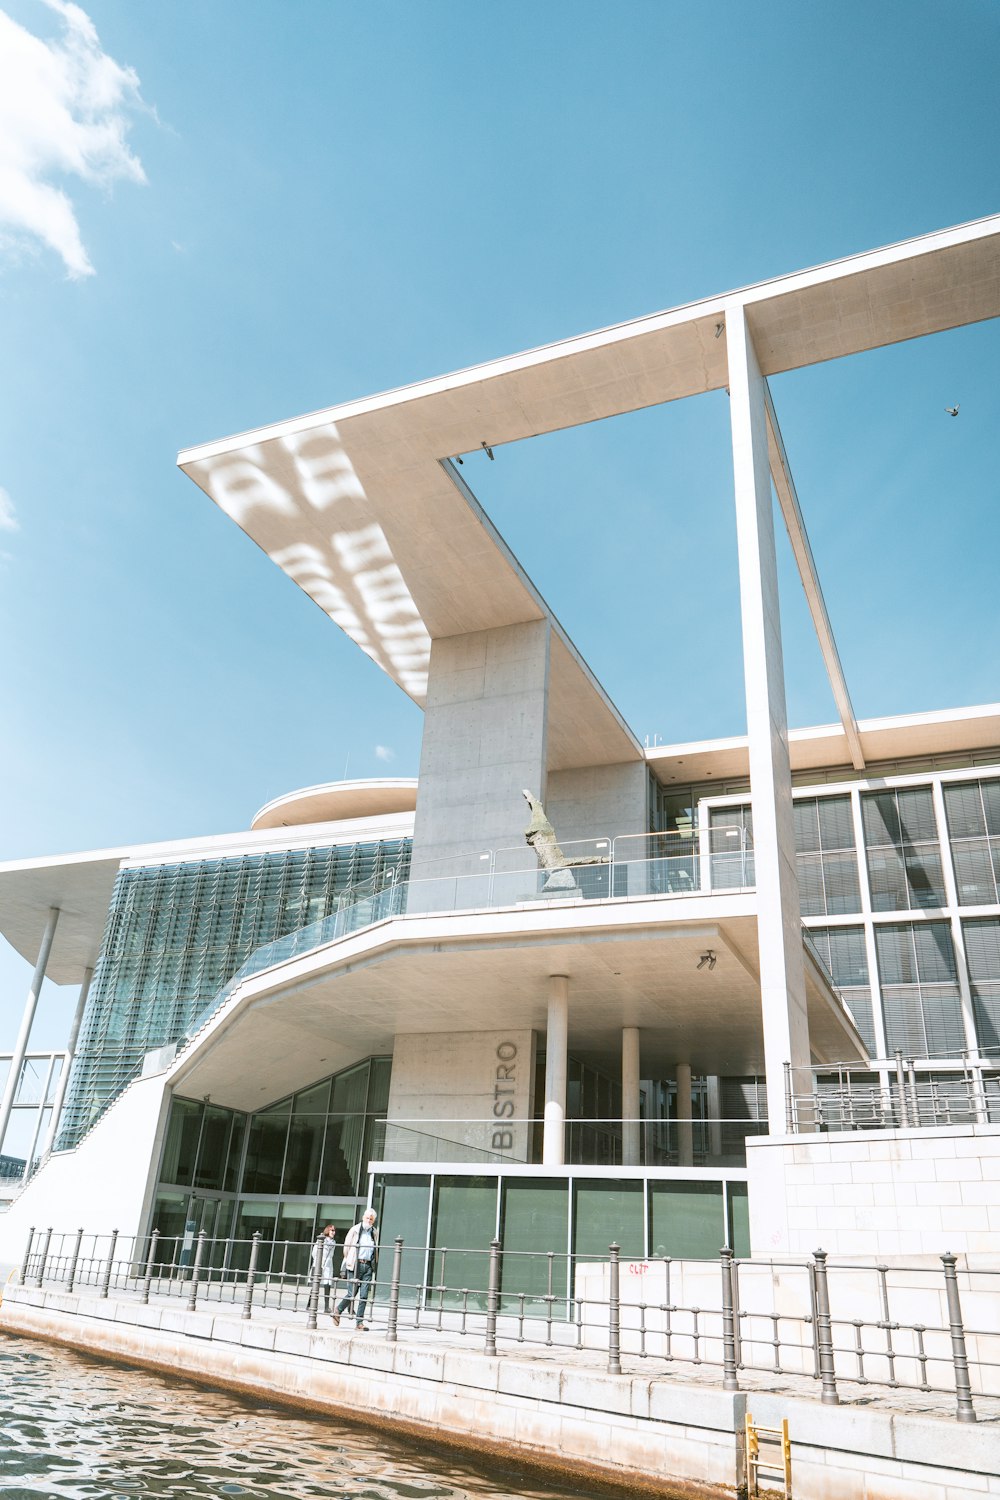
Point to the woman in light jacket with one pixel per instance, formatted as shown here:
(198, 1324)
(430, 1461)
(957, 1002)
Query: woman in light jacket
(322, 1256)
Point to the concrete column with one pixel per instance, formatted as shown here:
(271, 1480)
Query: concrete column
(74, 1032)
(714, 1092)
(685, 1130)
(484, 742)
(556, 1041)
(27, 1020)
(631, 1139)
(779, 926)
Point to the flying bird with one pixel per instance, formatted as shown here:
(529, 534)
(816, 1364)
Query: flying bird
(952, 411)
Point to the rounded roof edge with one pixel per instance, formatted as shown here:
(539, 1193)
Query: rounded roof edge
(336, 801)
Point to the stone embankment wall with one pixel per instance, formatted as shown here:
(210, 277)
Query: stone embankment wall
(655, 1434)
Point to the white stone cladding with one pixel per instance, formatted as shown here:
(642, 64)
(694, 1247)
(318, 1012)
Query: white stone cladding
(104, 1183)
(877, 1192)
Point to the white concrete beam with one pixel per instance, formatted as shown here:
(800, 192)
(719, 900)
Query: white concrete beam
(784, 484)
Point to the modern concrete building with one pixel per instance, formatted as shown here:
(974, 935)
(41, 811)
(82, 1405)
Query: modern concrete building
(760, 1007)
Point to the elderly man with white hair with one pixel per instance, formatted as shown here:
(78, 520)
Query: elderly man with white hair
(360, 1251)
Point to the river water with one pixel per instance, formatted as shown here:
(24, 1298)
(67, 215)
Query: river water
(75, 1426)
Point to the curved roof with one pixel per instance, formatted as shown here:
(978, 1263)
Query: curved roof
(335, 801)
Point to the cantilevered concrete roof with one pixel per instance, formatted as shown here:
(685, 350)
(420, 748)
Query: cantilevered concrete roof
(362, 507)
(80, 885)
(339, 800)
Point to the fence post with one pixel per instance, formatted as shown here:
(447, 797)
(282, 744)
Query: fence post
(27, 1255)
(614, 1313)
(493, 1298)
(196, 1271)
(729, 1380)
(904, 1108)
(397, 1272)
(911, 1075)
(251, 1276)
(315, 1271)
(965, 1411)
(824, 1333)
(44, 1256)
(106, 1283)
(147, 1280)
(73, 1263)
(789, 1110)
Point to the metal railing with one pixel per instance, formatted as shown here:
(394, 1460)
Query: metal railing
(929, 1327)
(894, 1094)
(596, 1141)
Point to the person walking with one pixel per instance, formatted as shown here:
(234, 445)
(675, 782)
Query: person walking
(322, 1256)
(360, 1251)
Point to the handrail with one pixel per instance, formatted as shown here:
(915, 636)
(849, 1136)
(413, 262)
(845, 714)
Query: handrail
(832, 1321)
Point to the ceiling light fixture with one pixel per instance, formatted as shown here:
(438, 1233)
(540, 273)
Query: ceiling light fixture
(487, 450)
(708, 959)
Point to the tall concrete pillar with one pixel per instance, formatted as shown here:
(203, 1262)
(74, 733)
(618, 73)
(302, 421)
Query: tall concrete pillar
(556, 1043)
(74, 1032)
(779, 926)
(713, 1091)
(27, 1020)
(484, 742)
(685, 1129)
(631, 1140)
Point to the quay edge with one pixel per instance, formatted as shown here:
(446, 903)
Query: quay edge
(655, 1436)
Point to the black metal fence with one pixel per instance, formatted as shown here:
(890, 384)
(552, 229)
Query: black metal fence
(930, 1327)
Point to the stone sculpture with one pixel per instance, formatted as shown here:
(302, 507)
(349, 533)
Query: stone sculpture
(542, 837)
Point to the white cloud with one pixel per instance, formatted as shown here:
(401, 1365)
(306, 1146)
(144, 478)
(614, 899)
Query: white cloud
(64, 106)
(382, 752)
(8, 515)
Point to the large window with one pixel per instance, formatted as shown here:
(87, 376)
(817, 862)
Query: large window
(982, 948)
(904, 858)
(973, 809)
(313, 1144)
(842, 950)
(730, 844)
(920, 994)
(176, 934)
(826, 856)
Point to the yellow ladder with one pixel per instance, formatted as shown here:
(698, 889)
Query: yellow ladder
(754, 1462)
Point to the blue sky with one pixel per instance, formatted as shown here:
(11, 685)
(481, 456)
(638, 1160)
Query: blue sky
(294, 204)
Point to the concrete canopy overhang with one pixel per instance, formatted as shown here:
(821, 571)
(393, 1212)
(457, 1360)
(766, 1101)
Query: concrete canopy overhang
(362, 507)
(336, 800)
(824, 747)
(80, 885)
(476, 972)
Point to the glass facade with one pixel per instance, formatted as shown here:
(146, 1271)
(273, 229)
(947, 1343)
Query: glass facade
(904, 857)
(546, 1226)
(914, 860)
(921, 1000)
(826, 856)
(845, 958)
(982, 948)
(176, 934)
(284, 1170)
(973, 811)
